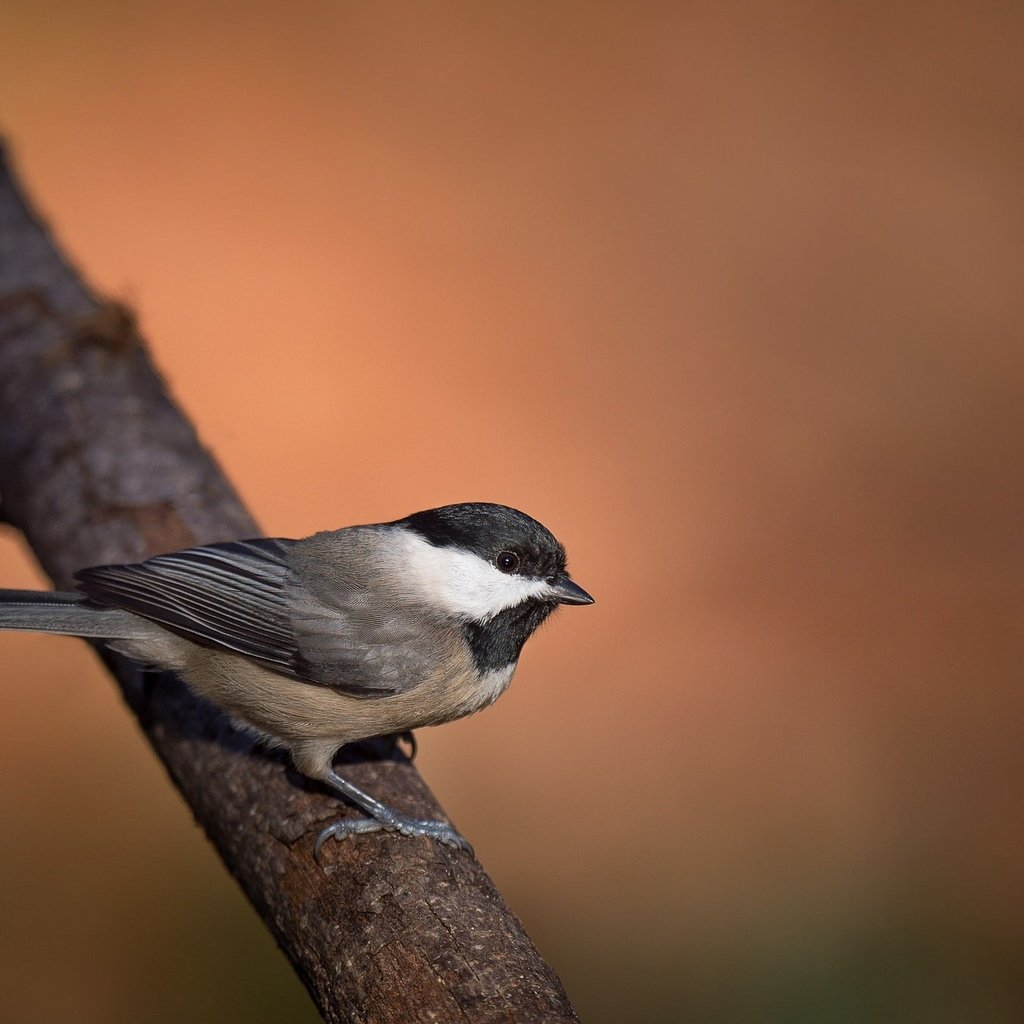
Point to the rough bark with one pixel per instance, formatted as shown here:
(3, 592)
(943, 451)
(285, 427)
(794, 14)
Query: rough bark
(98, 465)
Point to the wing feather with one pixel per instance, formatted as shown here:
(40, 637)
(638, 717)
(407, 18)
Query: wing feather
(229, 595)
(246, 597)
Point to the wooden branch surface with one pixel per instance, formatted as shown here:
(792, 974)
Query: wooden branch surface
(98, 465)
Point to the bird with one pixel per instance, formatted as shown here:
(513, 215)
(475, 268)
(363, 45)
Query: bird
(334, 638)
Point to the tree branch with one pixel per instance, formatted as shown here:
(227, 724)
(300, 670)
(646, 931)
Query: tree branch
(98, 465)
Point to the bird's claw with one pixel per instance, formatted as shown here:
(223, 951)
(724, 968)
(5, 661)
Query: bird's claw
(410, 737)
(439, 831)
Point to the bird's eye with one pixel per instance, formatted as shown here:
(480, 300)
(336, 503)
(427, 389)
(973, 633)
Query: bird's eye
(507, 561)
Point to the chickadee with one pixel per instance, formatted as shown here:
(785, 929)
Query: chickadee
(339, 637)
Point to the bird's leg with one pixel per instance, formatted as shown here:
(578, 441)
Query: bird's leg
(382, 818)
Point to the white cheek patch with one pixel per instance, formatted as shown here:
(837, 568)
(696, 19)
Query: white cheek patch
(461, 583)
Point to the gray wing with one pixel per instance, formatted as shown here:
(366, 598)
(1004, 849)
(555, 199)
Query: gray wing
(245, 597)
(354, 630)
(220, 595)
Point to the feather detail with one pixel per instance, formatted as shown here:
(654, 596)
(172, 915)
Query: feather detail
(224, 595)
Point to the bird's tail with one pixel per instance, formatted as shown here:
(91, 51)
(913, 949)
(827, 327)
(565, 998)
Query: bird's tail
(42, 611)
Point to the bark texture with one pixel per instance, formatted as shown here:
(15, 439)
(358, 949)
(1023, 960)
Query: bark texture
(98, 465)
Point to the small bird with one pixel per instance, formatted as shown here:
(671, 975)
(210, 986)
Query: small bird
(338, 637)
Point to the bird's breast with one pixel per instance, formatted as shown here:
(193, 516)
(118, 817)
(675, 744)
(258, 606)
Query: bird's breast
(491, 685)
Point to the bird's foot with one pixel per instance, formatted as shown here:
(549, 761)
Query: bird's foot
(410, 737)
(440, 831)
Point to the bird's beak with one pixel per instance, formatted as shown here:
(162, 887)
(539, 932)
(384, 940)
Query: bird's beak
(564, 591)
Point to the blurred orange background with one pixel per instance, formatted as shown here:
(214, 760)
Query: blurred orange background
(729, 299)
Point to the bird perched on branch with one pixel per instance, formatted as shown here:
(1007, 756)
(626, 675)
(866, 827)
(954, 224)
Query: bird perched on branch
(341, 636)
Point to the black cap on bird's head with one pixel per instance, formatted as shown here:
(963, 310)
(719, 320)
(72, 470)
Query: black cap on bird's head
(512, 541)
